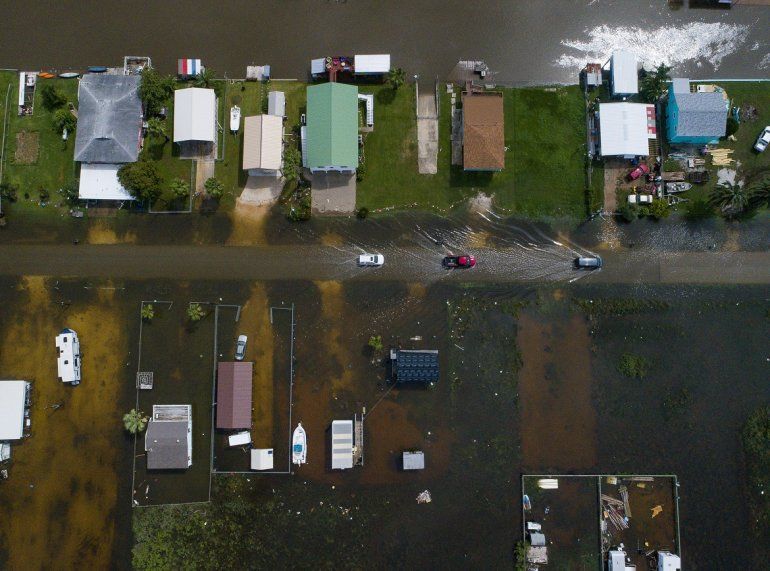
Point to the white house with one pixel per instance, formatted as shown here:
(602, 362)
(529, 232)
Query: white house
(68, 359)
(195, 115)
(625, 129)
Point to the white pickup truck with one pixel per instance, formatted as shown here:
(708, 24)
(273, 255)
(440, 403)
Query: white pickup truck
(371, 260)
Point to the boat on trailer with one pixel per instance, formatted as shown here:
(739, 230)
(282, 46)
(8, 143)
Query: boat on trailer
(235, 118)
(299, 446)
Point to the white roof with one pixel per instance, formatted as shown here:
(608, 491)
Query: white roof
(100, 182)
(22, 80)
(12, 399)
(194, 114)
(239, 438)
(668, 562)
(276, 103)
(262, 142)
(616, 561)
(625, 74)
(371, 63)
(262, 459)
(68, 358)
(317, 65)
(342, 444)
(625, 128)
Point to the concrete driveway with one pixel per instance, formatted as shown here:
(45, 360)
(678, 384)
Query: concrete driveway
(333, 193)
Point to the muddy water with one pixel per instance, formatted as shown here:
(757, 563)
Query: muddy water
(523, 42)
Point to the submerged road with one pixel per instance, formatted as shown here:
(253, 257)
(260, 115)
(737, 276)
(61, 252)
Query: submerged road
(408, 264)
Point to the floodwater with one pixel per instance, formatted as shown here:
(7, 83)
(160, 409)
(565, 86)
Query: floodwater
(539, 41)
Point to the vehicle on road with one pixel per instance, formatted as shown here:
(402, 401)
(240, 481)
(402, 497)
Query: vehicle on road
(763, 140)
(640, 170)
(371, 260)
(240, 347)
(462, 261)
(588, 262)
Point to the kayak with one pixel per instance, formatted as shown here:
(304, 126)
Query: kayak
(45, 75)
(69, 75)
(299, 445)
(97, 69)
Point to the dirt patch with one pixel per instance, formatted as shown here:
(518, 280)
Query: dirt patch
(101, 232)
(27, 148)
(332, 308)
(64, 493)
(558, 425)
(332, 239)
(248, 224)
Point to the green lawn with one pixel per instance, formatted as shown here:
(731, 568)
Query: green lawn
(544, 172)
(54, 163)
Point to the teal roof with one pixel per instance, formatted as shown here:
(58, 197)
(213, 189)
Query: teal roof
(332, 126)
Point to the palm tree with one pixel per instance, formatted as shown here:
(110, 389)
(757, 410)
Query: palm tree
(654, 83)
(731, 199)
(135, 421)
(156, 127)
(396, 78)
(204, 79)
(195, 312)
(148, 312)
(760, 194)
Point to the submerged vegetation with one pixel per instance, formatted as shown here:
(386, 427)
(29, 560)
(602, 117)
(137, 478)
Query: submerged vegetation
(634, 366)
(756, 446)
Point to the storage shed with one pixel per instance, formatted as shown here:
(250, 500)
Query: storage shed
(276, 103)
(188, 67)
(262, 459)
(624, 74)
(195, 115)
(414, 460)
(342, 444)
(371, 64)
(415, 366)
(234, 395)
(13, 403)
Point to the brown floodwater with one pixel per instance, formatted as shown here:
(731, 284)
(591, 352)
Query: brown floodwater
(521, 41)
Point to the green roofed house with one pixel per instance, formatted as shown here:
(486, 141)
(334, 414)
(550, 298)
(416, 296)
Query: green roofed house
(330, 138)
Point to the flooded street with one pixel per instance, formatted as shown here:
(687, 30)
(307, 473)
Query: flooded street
(521, 45)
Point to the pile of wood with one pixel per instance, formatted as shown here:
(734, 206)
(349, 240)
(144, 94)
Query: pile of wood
(615, 511)
(721, 157)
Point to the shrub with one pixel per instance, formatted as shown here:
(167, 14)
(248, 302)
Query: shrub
(362, 213)
(214, 188)
(375, 342)
(155, 90)
(70, 191)
(44, 194)
(659, 209)
(51, 97)
(9, 191)
(634, 366)
(698, 209)
(627, 213)
(732, 126)
(63, 119)
(142, 179)
(179, 188)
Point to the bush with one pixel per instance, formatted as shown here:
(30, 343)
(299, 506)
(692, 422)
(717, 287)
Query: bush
(142, 179)
(627, 213)
(375, 342)
(9, 191)
(362, 213)
(634, 366)
(659, 209)
(361, 171)
(51, 97)
(698, 209)
(63, 119)
(148, 312)
(70, 191)
(732, 126)
(299, 206)
(214, 188)
(44, 194)
(292, 163)
(155, 90)
(179, 188)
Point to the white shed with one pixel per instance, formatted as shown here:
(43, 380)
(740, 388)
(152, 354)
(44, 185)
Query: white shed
(342, 444)
(371, 64)
(13, 398)
(276, 103)
(626, 128)
(99, 181)
(262, 459)
(195, 115)
(624, 73)
(318, 66)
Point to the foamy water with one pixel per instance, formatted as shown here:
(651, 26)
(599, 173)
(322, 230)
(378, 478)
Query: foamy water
(673, 45)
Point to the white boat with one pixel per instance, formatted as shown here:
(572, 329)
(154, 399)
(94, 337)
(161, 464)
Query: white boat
(673, 187)
(299, 445)
(68, 359)
(235, 118)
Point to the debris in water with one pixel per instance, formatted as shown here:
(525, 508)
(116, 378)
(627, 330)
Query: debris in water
(424, 498)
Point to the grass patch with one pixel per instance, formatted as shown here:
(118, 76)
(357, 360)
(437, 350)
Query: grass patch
(634, 366)
(756, 447)
(620, 306)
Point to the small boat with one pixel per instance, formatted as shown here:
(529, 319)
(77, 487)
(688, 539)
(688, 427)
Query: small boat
(527, 504)
(674, 187)
(97, 68)
(45, 75)
(299, 446)
(235, 118)
(69, 75)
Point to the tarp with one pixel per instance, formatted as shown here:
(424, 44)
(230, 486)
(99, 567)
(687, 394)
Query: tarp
(12, 402)
(262, 142)
(194, 115)
(189, 67)
(625, 129)
(100, 182)
(371, 64)
(342, 444)
(625, 73)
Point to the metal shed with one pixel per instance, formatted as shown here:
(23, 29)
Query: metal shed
(276, 103)
(414, 460)
(342, 444)
(234, 395)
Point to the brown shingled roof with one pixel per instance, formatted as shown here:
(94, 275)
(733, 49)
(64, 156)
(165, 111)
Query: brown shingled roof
(483, 139)
(234, 395)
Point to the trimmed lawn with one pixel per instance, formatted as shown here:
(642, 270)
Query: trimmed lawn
(55, 159)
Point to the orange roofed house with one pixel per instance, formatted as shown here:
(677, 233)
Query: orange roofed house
(483, 139)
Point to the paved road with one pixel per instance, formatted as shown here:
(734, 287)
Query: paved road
(403, 264)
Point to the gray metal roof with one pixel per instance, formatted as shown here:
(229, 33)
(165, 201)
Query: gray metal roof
(166, 445)
(414, 460)
(701, 114)
(414, 366)
(109, 119)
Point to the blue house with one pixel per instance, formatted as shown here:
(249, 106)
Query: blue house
(695, 118)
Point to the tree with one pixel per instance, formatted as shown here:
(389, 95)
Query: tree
(142, 179)
(659, 209)
(51, 97)
(653, 85)
(155, 90)
(760, 195)
(204, 79)
(135, 421)
(731, 199)
(156, 128)
(375, 342)
(292, 163)
(627, 213)
(731, 127)
(214, 188)
(195, 312)
(179, 188)
(396, 78)
(9, 191)
(148, 312)
(62, 120)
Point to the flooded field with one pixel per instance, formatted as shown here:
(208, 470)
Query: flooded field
(530, 383)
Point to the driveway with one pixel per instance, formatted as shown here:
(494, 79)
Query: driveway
(427, 133)
(261, 190)
(333, 193)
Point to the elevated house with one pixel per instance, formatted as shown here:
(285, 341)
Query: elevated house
(109, 133)
(195, 118)
(263, 145)
(626, 129)
(168, 440)
(483, 132)
(330, 138)
(234, 395)
(410, 366)
(696, 117)
(13, 407)
(624, 74)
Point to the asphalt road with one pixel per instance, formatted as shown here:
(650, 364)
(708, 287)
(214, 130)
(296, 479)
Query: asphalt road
(316, 262)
